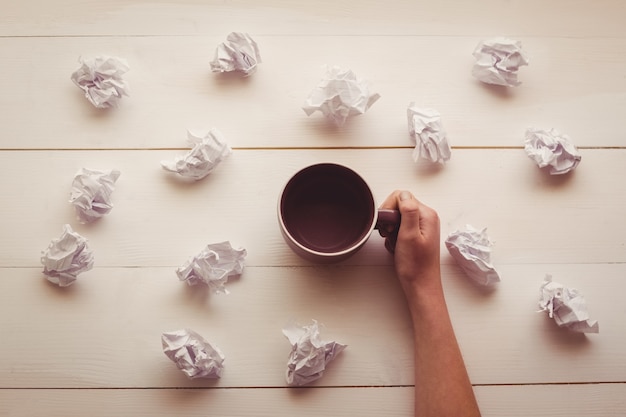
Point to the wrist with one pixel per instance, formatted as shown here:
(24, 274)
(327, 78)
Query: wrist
(424, 291)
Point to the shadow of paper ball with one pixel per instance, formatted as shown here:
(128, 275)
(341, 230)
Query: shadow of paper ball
(562, 338)
(543, 178)
(231, 79)
(466, 284)
(500, 91)
(184, 184)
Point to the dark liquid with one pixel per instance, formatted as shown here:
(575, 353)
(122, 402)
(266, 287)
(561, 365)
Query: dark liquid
(327, 210)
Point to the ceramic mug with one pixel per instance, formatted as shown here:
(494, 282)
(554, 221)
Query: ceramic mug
(327, 212)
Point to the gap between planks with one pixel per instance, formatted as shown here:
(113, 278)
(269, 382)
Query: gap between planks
(217, 388)
(292, 148)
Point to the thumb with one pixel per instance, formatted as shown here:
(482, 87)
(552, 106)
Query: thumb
(409, 212)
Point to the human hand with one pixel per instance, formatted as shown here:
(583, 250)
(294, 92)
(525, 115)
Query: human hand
(415, 244)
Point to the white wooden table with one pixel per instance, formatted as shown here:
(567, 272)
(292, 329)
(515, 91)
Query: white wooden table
(94, 348)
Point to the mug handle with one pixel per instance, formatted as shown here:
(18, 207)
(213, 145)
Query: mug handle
(388, 218)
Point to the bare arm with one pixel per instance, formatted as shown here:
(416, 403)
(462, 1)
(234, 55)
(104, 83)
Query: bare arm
(442, 386)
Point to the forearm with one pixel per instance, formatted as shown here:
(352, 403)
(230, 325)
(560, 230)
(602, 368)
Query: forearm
(442, 386)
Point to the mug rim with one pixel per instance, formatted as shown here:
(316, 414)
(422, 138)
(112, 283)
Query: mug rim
(328, 255)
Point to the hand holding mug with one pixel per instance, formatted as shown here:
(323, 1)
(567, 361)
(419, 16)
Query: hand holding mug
(416, 243)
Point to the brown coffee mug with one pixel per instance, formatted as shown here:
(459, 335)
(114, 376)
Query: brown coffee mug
(327, 212)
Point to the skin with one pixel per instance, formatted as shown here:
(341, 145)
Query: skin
(442, 385)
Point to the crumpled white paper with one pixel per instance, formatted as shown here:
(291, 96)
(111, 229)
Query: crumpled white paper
(567, 307)
(238, 53)
(66, 257)
(340, 95)
(551, 148)
(192, 354)
(309, 354)
(213, 266)
(498, 60)
(101, 78)
(91, 193)
(471, 249)
(427, 132)
(207, 151)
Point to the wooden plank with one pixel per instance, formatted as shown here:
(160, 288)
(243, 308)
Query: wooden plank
(598, 400)
(328, 17)
(161, 221)
(104, 331)
(575, 85)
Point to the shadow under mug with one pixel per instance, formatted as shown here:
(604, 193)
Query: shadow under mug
(327, 212)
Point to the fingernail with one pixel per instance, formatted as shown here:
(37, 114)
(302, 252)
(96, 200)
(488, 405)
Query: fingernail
(405, 195)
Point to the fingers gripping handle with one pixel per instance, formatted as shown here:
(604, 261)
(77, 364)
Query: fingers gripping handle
(388, 220)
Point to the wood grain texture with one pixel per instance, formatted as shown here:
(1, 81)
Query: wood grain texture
(577, 18)
(158, 220)
(104, 331)
(597, 400)
(574, 85)
(94, 348)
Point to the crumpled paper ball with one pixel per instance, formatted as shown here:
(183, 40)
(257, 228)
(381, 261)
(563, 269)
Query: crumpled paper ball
(551, 148)
(192, 354)
(66, 257)
(91, 193)
(309, 354)
(498, 60)
(427, 132)
(207, 151)
(101, 79)
(239, 53)
(213, 266)
(567, 307)
(471, 249)
(340, 95)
